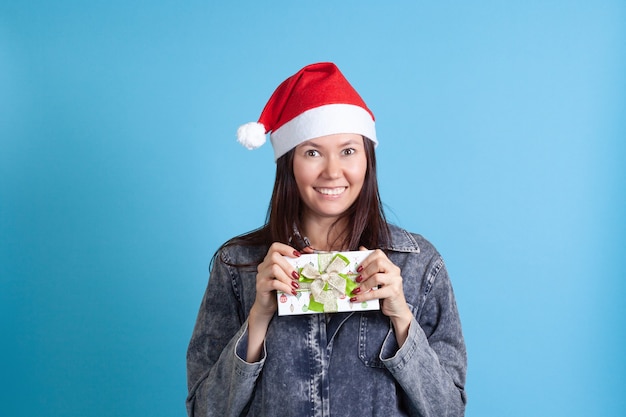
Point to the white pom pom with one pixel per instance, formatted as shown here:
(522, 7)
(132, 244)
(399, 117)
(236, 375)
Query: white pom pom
(251, 135)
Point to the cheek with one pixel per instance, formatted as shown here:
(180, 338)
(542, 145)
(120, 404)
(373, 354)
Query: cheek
(303, 177)
(298, 172)
(357, 173)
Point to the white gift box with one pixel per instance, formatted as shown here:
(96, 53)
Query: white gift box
(326, 282)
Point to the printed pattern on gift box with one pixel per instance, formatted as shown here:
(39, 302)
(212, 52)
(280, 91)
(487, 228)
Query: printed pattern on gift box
(326, 281)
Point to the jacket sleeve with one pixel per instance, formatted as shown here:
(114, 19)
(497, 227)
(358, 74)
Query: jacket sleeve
(219, 380)
(431, 364)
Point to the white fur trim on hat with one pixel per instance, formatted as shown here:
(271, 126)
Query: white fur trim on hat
(251, 135)
(321, 121)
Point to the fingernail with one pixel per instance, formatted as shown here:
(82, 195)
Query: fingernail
(296, 254)
(360, 268)
(353, 299)
(359, 278)
(296, 285)
(294, 292)
(356, 290)
(295, 275)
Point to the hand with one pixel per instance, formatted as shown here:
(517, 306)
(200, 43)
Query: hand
(274, 274)
(378, 271)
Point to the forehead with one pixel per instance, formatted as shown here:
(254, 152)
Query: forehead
(335, 140)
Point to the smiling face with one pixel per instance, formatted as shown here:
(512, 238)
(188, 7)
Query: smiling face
(329, 172)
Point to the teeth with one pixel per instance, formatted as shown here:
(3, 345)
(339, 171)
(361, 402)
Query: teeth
(331, 191)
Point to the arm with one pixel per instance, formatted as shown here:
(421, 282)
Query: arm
(220, 381)
(273, 274)
(227, 352)
(431, 364)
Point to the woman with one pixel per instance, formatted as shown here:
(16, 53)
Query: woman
(408, 358)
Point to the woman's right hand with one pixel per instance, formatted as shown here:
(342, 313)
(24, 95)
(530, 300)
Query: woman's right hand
(275, 274)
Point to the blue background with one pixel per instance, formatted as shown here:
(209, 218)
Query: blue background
(502, 128)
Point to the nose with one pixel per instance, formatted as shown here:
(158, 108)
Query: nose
(333, 167)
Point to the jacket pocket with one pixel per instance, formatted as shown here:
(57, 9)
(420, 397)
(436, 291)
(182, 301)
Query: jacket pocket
(373, 329)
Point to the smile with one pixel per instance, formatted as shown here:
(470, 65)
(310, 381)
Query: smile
(331, 191)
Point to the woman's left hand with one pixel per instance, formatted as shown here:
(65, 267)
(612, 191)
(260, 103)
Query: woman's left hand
(378, 271)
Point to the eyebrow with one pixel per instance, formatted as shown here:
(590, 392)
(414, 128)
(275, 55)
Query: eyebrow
(311, 142)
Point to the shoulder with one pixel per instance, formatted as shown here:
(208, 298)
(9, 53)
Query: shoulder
(235, 253)
(247, 249)
(419, 261)
(409, 242)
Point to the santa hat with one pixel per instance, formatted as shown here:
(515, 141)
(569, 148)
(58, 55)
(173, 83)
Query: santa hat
(316, 101)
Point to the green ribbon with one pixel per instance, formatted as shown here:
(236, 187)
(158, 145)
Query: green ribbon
(326, 282)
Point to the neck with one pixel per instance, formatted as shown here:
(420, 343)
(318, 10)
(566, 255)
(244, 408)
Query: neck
(322, 234)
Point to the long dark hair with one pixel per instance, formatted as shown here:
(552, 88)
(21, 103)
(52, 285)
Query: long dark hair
(365, 223)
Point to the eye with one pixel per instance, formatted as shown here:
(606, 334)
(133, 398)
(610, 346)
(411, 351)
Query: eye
(311, 152)
(349, 151)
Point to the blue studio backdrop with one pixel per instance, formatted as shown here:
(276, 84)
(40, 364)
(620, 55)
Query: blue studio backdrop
(501, 128)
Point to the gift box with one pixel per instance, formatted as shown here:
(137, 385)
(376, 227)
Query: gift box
(326, 282)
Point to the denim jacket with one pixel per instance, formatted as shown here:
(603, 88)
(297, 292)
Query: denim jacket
(341, 364)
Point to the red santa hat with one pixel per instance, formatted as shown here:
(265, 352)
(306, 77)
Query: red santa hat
(316, 101)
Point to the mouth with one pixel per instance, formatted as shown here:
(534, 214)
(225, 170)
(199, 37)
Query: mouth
(331, 191)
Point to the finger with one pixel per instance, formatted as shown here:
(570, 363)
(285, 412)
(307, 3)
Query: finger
(282, 269)
(290, 288)
(370, 267)
(378, 262)
(359, 295)
(274, 278)
(284, 250)
(372, 282)
(275, 273)
(276, 255)
(363, 264)
(308, 250)
(378, 271)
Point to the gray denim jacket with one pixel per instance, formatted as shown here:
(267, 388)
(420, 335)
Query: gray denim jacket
(341, 364)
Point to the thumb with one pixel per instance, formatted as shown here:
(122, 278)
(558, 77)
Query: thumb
(362, 248)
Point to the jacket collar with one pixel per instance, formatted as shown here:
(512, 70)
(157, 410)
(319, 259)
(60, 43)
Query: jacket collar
(402, 241)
